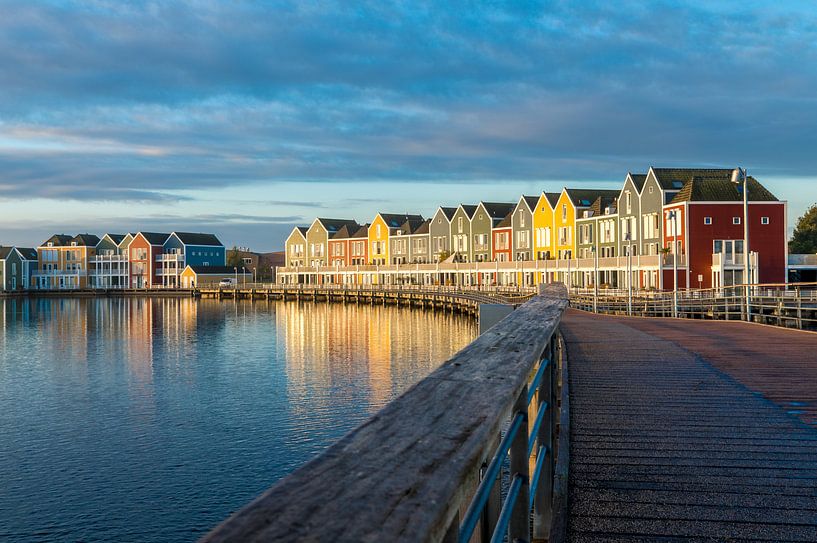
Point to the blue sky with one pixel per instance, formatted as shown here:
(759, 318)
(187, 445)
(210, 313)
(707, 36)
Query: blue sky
(244, 118)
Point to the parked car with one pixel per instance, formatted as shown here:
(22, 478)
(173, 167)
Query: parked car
(227, 282)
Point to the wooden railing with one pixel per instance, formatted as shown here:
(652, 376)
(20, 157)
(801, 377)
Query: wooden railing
(426, 467)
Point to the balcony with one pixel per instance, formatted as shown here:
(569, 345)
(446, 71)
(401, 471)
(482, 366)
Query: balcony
(170, 257)
(735, 261)
(108, 258)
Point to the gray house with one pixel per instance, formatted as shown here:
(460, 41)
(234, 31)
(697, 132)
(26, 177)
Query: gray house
(488, 215)
(596, 234)
(11, 269)
(461, 233)
(629, 212)
(408, 242)
(29, 257)
(522, 224)
(440, 233)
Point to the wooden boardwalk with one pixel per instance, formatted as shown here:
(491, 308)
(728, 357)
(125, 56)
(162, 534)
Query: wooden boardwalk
(712, 441)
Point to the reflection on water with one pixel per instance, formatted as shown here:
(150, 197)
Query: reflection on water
(128, 419)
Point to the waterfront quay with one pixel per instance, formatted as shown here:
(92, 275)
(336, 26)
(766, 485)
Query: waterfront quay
(610, 428)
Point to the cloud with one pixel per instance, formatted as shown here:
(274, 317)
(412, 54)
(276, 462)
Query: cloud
(132, 101)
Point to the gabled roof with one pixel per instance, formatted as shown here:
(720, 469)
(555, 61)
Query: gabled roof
(586, 197)
(85, 240)
(396, 220)
(362, 232)
(154, 238)
(333, 225)
(343, 233)
(198, 238)
(411, 227)
(469, 209)
(530, 202)
(675, 178)
(423, 228)
(507, 222)
(218, 270)
(449, 212)
(552, 198)
(57, 240)
(638, 180)
(600, 204)
(5, 252)
(116, 239)
(718, 189)
(127, 237)
(497, 210)
(300, 229)
(28, 253)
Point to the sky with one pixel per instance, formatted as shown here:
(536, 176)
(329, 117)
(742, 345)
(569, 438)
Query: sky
(246, 118)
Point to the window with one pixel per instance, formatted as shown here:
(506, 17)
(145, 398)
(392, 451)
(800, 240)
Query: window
(564, 212)
(764, 220)
(629, 200)
(459, 224)
(377, 231)
(521, 219)
(735, 220)
(650, 189)
(707, 220)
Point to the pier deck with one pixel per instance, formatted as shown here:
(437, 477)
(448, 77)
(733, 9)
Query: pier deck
(686, 431)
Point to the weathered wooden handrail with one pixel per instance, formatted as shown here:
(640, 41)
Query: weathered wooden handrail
(409, 472)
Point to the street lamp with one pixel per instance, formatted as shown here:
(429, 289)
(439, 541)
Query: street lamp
(595, 277)
(738, 175)
(235, 276)
(672, 217)
(627, 238)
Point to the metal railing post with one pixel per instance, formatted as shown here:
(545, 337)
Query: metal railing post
(519, 527)
(543, 499)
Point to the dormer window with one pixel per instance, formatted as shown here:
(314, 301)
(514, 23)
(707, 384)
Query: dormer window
(73, 244)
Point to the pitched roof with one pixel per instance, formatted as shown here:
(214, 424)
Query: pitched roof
(552, 197)
(5, 252)
(343, 233)
(85, 240)
(197, 238)
(674, 178)
(531, 201)
(28, 253)
(362, 232)
(155, 238)
(219, 270)
(498, 210)
(507, 222)
(115, 238)
(423, 228)
(449, 212)
(469, 209)
(333, 225)
(600, 204)
(396, 220)
(638, 180)
(303, 229)
(58, 240)
(586, 197)
(718, 189)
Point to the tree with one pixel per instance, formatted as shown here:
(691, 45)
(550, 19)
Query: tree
(804, 239)
(234, 258)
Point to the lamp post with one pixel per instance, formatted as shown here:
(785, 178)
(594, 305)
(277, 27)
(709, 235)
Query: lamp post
(672, 216)
(235, 276)
(627, 238)
(738, 175)
(595, 279)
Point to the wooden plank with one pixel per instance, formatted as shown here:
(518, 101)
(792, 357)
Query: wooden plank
(403, 474)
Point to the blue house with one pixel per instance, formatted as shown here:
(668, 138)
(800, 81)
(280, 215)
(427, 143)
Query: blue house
(184, 249)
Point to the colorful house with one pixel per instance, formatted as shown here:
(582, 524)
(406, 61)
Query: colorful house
(11, 269)
(144, 251)
(318, 235)
(340, 250)
(501, 245)
(544, 245)
(63, 261)
(28, 256)
(409, 244)
(704, 223)
(110, 263)
(197, 276)
(596, 238)
(440, 233)
(359, 246)
(461, 248)
(484, 219)
(522, 223)
(295, 247)
(182, 249)
(383, 227)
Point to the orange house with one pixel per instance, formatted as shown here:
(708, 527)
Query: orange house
(62, 261)
(142, 253)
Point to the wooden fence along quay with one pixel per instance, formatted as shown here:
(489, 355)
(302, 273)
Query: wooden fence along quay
(427, 467)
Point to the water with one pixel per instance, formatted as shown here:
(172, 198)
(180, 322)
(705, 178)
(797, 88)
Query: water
(137, 419)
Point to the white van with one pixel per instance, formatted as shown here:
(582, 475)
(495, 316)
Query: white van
(227, 282)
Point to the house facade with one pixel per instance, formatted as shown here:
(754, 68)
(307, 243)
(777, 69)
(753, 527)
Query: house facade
(110, 265)
(182, 249)
(382, 228)
(144, 251)
(63, 261)
(295, 247)
(501, 240)
(487, 216)
(544, 245)
(522, 224)
(11, 270)
(318, 235)
(440, 233)
(461, 246)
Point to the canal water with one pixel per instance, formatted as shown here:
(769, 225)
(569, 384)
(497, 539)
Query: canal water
(152, 419)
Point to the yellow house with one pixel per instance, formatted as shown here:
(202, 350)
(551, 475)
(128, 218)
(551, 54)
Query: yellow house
(382, 227)
(544, 245)
(573, 203)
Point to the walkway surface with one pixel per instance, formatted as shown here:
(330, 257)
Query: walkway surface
(691, 430)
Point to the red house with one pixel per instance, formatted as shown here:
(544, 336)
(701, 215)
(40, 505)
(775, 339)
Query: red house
(704, 224)
(501, 240)
(142, 253)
